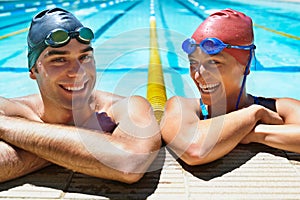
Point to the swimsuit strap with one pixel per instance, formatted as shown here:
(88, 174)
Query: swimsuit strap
(203, 110)
(256, 101)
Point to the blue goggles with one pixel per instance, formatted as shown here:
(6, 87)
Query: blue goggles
(60, 37)
(210, 46)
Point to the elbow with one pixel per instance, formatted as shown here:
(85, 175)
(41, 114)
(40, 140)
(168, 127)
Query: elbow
(133, 171)
(195, 155)
(131, 178)
(135, 167)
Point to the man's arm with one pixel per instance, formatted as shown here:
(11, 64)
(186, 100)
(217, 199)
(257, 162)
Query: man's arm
(124, 156)
(286, 136)
(15, 162)
(198, 141)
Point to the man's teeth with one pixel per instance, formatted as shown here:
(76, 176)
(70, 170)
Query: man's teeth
(74, 88)
(209, 87)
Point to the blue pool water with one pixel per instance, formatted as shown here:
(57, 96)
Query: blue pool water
(122, 43)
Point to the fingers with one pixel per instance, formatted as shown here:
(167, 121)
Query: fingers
(270, 117)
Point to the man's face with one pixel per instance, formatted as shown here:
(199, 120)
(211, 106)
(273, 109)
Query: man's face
(218, 77)
(66, 75)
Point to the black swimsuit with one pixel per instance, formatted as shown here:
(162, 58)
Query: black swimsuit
(265, 102)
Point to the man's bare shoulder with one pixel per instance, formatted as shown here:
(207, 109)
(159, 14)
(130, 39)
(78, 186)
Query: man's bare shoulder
(29, 100)
(25, 106)
(103, 96)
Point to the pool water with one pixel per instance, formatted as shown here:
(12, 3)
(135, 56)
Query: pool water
(122, 43)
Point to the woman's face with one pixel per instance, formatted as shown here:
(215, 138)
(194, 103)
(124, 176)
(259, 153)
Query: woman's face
(218, 77)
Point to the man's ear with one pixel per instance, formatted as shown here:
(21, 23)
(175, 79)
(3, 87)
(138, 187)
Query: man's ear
(32, 73)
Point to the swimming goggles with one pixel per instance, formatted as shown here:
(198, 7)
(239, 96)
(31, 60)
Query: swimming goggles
(60, 37)
(210, 46)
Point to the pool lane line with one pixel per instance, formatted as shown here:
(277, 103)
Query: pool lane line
(258, 8)
(277, 32)
(191, 10)
(15, 24)
(172, 57)
(156, 91)
(108, 24)
(101, 70)
(27, 21)
(256, 25)
(14, 33)
(98, 33)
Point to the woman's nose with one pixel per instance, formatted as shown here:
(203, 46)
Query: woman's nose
(200, 70)
(202, 74)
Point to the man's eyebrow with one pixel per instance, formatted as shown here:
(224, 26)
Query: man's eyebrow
(56, 52)
(87, 49)
(59, 52)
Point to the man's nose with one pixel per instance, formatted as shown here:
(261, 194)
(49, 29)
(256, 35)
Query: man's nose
(75, 69)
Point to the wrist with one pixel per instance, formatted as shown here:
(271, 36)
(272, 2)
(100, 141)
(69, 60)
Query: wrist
(259, 135)
(257, 112)
(254, 113)
(2, 125)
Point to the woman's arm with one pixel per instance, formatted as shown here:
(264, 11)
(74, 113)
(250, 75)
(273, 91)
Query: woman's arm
(286, 136)
(198, 141)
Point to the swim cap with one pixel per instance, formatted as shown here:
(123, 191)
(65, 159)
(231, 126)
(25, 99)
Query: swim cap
(230, 26)
(42, 24)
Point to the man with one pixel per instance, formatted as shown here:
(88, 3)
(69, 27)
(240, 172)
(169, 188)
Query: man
(69, 123)
(201, 131)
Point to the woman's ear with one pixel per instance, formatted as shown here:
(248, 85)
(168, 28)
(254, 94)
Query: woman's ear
(248, 70)
(244, 68)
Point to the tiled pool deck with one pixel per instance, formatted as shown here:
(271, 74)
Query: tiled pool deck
(249, 172)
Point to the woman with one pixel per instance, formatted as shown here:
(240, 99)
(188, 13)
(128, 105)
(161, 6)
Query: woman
(200, 131)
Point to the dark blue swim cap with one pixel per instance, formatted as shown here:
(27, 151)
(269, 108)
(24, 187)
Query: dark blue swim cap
(41, 26)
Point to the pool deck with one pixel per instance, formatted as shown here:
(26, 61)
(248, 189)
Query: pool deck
(251, 171)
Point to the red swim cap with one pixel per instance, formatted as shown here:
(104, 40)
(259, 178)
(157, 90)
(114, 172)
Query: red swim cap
(230, 26)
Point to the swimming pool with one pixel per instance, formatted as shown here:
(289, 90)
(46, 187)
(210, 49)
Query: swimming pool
(122, 43)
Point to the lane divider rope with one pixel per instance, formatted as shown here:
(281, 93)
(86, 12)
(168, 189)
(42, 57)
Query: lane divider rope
(156, 91)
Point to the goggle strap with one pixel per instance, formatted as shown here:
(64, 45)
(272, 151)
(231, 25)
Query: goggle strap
(244, 80)
(74, 34)
(248, 47)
